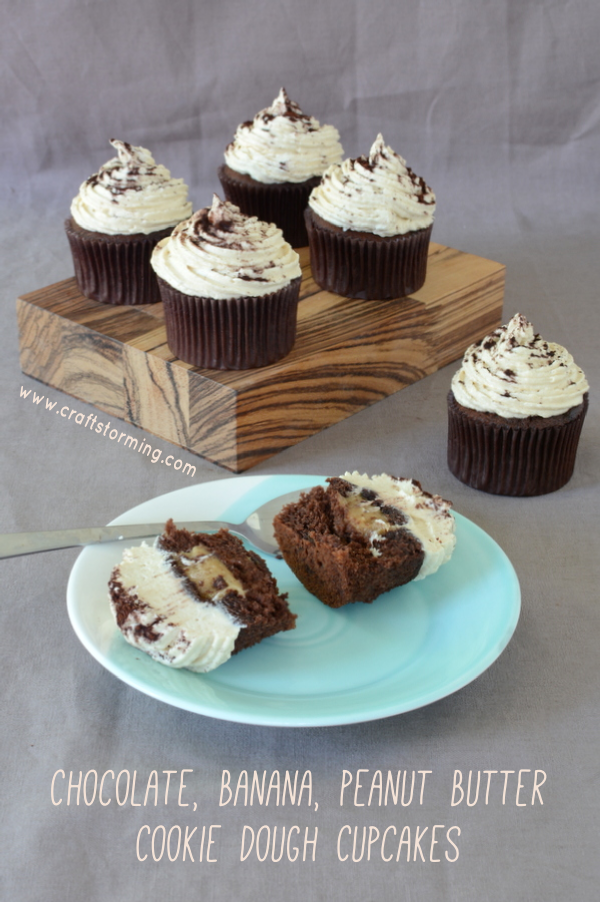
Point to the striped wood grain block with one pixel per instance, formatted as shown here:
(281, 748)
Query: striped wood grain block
(348, 354)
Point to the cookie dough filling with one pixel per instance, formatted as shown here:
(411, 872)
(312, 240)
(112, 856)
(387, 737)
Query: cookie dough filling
(209, 575)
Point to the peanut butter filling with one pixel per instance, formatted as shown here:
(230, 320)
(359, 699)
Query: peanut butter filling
(365, 516)
(211, 578)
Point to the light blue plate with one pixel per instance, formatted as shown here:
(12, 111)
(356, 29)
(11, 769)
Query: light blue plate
(412, 646)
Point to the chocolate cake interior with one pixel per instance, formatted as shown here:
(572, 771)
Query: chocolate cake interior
(220, 570)
(345, 544)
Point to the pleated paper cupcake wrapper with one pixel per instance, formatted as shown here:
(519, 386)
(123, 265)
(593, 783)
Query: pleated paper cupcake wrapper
(231, 334)
(512, 459)
(282, 204)
(115, 271)
(367, 268)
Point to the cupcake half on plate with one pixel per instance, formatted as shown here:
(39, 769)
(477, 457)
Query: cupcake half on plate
(363, 536)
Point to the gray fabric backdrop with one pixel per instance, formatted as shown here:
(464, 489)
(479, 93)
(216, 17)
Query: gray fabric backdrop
(497, 105)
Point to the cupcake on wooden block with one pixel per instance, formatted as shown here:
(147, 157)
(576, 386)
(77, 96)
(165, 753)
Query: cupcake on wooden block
(274, 162)
(369, 223)
(230, 286)
(118, 217)
(515, 413)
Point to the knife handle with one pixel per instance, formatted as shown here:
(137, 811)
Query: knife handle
(20, 543)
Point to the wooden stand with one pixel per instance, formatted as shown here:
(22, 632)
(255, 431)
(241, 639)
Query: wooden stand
(348, 354)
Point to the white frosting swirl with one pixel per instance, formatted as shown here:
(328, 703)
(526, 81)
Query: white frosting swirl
(378, 194)
(281, 144)
(515, 373)
(165, 619)
(221, 253)
(131, 194)
(427, 517)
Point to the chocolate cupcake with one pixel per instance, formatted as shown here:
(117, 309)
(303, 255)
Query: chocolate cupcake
(230, 286)
(363, 536)
(117, 219)
(515, 413)
(369, 222)
(274, 162)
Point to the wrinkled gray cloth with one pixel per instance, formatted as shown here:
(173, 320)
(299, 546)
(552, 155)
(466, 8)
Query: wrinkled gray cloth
(497, 106)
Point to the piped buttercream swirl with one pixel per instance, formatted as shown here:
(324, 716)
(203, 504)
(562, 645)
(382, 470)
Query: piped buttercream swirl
(221, 253)
(515, 373)
(377, 193)
(282, 144)
(131, 194)
(164, 618)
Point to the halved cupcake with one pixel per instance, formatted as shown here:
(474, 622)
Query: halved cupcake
(194, 599)
(363, 536)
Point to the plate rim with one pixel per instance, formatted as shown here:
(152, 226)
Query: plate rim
(276, 719)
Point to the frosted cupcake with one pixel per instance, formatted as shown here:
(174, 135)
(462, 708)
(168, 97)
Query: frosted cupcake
(230, 286)
(274, 162)
(369, 223)
(515, 413)
(118, 217)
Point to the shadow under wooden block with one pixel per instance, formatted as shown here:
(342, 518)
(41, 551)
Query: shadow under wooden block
(348, 354)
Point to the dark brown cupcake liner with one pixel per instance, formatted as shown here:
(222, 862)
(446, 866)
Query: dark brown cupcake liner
(532, 456)
(284, 204)
(115, 269)
(232, 334)
(358, 265)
